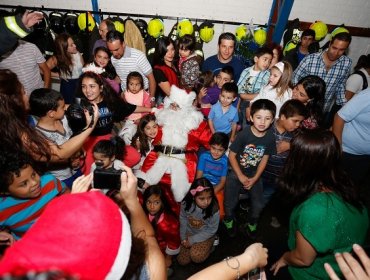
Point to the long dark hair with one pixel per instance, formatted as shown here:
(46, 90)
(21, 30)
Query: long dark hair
(315, 88)
(110, 97)
(314, 165)
(161, 50)
(189, 199)
(156, 190)
(110, 71)
(140, 134)
(64, 58)
(16, 133)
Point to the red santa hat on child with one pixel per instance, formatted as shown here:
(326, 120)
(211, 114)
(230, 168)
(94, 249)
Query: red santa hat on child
(84, 235)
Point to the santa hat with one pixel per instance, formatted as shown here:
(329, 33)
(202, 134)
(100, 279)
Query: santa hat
(84, 235)
(181, 97)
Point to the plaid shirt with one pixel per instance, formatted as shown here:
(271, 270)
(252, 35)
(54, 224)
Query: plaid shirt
(335, 78)
(259, 81)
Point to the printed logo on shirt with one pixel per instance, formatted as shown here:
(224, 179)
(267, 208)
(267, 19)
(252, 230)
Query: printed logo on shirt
(251, 155)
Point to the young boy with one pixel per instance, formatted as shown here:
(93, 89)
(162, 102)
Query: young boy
(209, 96)
(223, 117)
(248, 157)
(213, 165)
(253, 79)
(48, 105)
(292, 113)
(23, 194)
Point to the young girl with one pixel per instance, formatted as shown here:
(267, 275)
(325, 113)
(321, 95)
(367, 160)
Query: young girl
(112, 108)
(109, 154)
(69, 62)
(102, 59)
(147, 130)
(278, 89)
(135, 94)
(199, 218)
(165, 223)
(310, 90)
(188, 64)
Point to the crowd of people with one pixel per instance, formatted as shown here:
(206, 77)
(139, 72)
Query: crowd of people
(176, 144)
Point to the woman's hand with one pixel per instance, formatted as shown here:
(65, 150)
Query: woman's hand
(128, 191)
(258, 254)
(279, 264)
(82, 183)
(350, 267)
(6, 239)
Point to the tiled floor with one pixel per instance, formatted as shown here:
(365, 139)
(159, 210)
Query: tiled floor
(273, 238)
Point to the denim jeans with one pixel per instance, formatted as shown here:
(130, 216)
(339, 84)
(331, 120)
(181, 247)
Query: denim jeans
(233, 188)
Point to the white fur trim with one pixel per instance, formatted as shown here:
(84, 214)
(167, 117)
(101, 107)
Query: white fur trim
(172, 252)
(124, 250)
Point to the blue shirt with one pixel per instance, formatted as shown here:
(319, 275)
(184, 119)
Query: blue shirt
(356, 131)
(212, 169)
(212, 63)
(335, 78)
(222, 122)
(259, 82)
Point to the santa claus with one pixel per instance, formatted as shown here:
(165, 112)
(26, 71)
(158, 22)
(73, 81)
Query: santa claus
(183, 130)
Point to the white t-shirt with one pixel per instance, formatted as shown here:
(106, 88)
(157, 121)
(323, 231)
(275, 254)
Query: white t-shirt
(355, 82)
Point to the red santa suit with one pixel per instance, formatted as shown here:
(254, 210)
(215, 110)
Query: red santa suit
(167, 232)
(174, 158)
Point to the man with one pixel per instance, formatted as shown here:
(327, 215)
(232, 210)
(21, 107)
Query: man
(333, 66)
(126, 60)
(28, 63)
(296, 55)
(224, 57)
(105, 26)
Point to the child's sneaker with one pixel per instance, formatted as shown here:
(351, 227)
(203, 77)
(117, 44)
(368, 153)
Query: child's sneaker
(275, 222)
(216, 241)
(230, 228)
(252, 231)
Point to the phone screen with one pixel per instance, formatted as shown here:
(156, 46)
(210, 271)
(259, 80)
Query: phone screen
(254, 274)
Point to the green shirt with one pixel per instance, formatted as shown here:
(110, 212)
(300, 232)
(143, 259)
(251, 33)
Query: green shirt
(330, 225)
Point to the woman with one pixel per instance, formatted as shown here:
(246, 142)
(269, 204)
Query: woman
(165, 72)
(310, 90)
(93, 88)
(17, 134)
(69, 62)
(328, 217)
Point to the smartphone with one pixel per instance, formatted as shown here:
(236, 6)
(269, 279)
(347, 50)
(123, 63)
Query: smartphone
(255, 274)
(107, 179)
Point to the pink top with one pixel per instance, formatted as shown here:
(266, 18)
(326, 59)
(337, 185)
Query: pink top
(142, 98)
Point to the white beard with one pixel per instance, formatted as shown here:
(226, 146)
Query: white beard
(176, 125)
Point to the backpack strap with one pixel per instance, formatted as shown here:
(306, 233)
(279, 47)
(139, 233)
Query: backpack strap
(364, 84)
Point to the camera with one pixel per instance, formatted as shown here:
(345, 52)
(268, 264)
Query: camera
(107, 178)
(86, 105)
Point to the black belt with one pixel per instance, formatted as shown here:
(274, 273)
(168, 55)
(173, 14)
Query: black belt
(169, 150)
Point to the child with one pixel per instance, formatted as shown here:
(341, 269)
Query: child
(23, 193)
(102, 59)
(48, 105)
(291, 115)
(165, 223)
(223, 117)
(209, 96)
(189, 62)
(69, 62)
(310, 90)
(108, 154)
(253, 79)
(136, 95)
(278, 90)
(199, 219)
(147, 130)
(213, 164)
(248, 157)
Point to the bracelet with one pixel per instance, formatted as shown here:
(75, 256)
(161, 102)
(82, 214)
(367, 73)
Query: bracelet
(237, 267)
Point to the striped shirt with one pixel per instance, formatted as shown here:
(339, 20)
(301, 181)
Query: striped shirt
(335, 78)
(18, 215)
(132, 60)
(24, 61)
